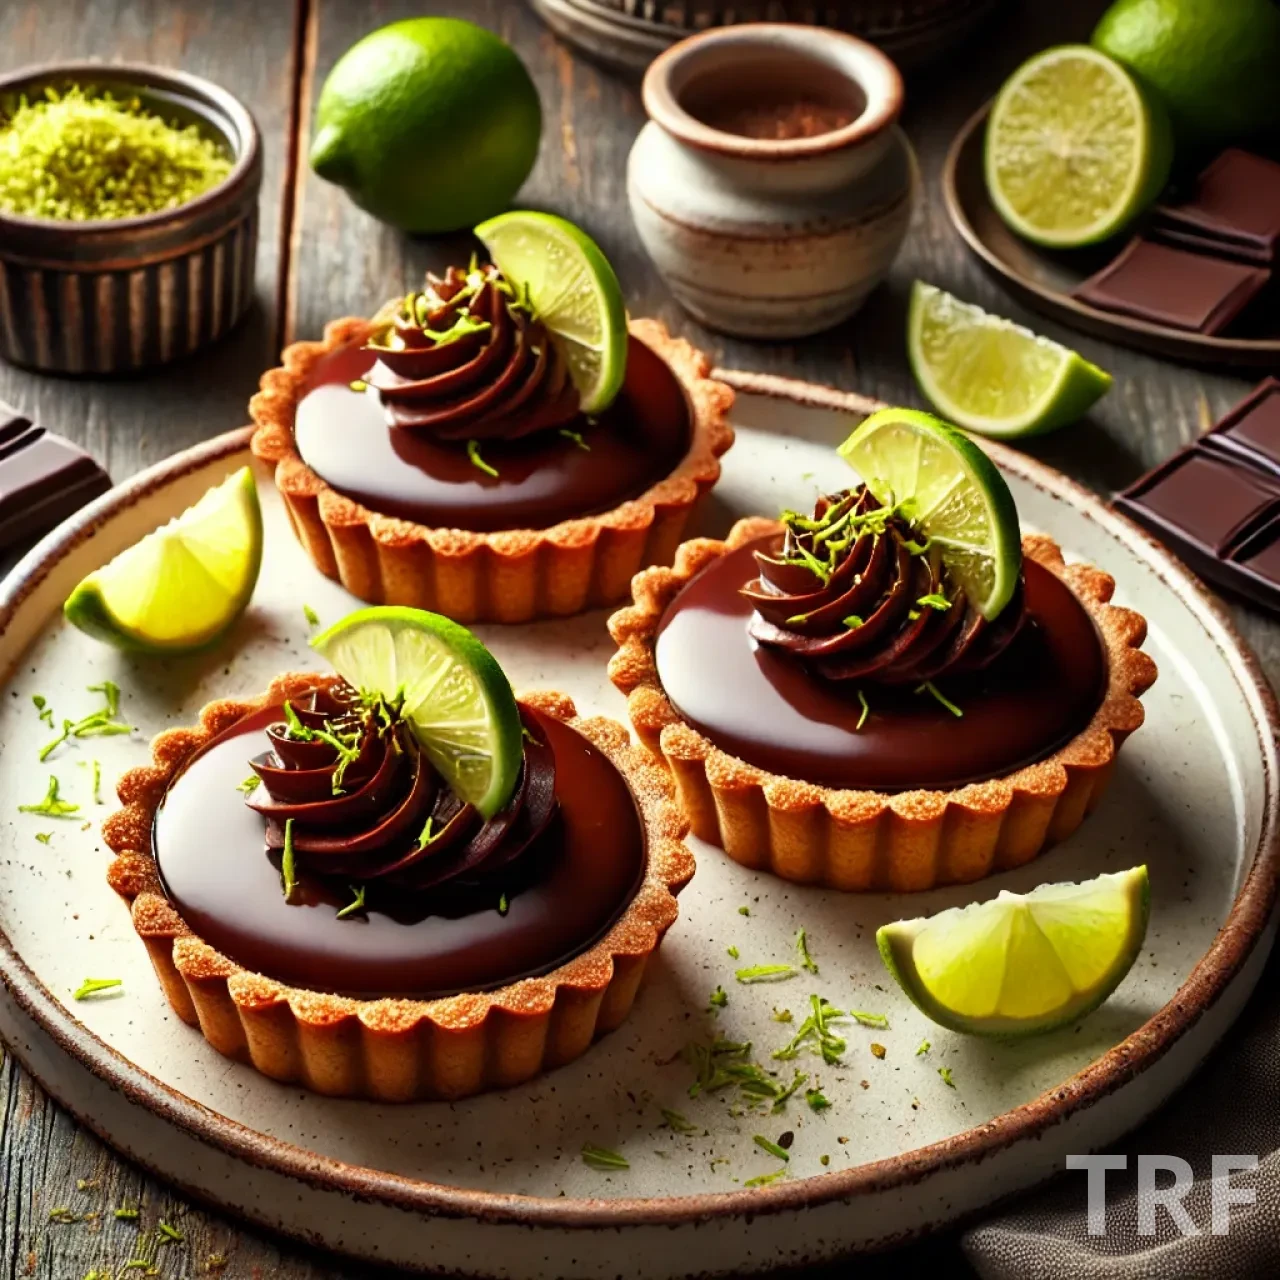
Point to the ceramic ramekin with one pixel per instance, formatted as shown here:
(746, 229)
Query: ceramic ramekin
(771, 238)
(122, 294)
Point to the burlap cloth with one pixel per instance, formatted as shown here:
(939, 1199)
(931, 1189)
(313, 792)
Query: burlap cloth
(1232, 1106)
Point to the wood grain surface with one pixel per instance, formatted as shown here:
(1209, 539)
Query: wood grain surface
(320, 257)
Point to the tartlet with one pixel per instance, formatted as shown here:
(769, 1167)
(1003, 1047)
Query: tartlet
(459, 476)
(397, 1047)
(895, 835)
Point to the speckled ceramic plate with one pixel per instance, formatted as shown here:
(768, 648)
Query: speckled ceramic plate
(1044, 279)
(496, 1185)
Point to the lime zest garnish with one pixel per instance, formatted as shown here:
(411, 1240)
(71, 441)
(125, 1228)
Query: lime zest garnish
(51, 806)
(44, 710)
(169, 1233)
(44, 836)
(503, 905)
(473, 455)
(765, 973)
(866, 711)
(764, 1179)
(797, 1079)
(428, 834)
(935, 693)
(802, 947)
(744, 911)
(877, 1020)
(288, 867)
(311, 616)
(91, 986)
(945, 1073)
(604, 1160)
(924, 1048)
(719, 998)
(934, 600)
(817, 1100)
(853, 621)
(356, 903)
(250, 784)
(576, 437)
(674, 1120)
(771, 1147)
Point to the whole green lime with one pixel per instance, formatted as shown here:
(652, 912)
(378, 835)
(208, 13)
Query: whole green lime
(1216, 63)
(431, 124)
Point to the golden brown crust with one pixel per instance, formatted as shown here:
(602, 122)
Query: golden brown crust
(866, 840)
(511, 576)
(398, 1050)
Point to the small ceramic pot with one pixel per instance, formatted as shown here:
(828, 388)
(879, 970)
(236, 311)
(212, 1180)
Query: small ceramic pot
(117, 295)
(772, 236)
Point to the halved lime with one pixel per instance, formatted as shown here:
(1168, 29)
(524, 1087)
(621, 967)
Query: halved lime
(1075, 148)
(455, 695)
(1021, 963)
(574, 292)
(949, 490)
(994, 376)
(182, 586)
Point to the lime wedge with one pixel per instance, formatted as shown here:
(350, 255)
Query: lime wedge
(949, 490)
(991, 375)
(456, 697)
(1075, 148)
(574, 292)
(182, 586)
(1021, 963)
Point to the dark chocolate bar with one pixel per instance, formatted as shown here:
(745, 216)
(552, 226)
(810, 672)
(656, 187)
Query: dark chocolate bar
(1234, 210)
(1169, 286)
(43, 478)
(1216, 503)
(1252, 429)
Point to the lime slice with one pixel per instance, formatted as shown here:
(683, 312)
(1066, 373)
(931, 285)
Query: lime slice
(1023, 962)
(574, 292)
(182, 586)
(1075, 149)
(949, 490)
(991, 375)
(456, 697)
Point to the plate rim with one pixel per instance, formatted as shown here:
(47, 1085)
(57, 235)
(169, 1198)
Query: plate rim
(1127, 330)
(1209, 980)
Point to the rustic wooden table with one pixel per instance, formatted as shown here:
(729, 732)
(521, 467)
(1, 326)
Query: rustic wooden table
(321, 257)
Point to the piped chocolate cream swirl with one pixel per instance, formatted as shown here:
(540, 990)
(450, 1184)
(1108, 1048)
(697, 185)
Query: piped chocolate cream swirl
(367, 805)
(465, 359)
(855, 595)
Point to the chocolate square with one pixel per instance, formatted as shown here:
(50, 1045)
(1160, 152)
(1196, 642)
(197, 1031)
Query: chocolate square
(1234, 210)
(1252, 429)
(43, 478)
(1168, 286)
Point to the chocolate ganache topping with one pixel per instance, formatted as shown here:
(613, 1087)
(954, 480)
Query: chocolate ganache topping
(351, 791)
(857, 595)
(466, 359)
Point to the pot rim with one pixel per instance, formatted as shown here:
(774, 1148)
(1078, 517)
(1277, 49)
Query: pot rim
(872, 71)
(243, 137)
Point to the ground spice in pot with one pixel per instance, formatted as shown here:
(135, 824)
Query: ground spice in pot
(79, 154)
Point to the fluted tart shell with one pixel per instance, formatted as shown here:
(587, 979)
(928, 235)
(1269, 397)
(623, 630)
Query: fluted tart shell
(397, 1050)
(869, 840)
(515, 575)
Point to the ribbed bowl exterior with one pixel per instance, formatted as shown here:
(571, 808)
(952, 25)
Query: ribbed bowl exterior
(83, 321)
(118, 296)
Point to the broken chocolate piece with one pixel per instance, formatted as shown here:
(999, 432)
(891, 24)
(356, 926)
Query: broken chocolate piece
(1168, 286)
(1234, 210)
(43, 478)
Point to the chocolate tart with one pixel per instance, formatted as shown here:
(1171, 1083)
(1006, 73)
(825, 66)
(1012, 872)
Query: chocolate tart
(442, 1002)
(385, 497)
(949, 802)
